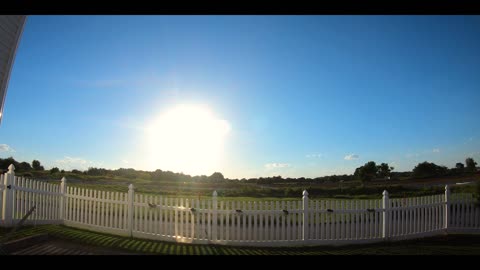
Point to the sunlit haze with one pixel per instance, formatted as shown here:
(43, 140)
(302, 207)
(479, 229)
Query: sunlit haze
(186, 138)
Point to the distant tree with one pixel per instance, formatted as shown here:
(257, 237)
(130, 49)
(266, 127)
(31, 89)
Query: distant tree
(277, 178)
(5, 163)
(471, 165)
(216, 177)
(62, 171)
(54, 170)
(459, 167)
(24, 167)
(127, 173)
(427, 169)
(76, 171)
(37, 166)
(384, 170)
(97, 171)
(366, 172)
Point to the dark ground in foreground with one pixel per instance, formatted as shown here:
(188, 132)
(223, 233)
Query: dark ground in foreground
(71, 241)
(65, 247)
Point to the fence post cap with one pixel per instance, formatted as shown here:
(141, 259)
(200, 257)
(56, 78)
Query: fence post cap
(63, 180)
(130, 187)
(214, 193)
(447, 187)
(11, 168)
(305, 193)
(385, 193)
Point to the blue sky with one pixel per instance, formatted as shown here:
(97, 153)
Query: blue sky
(303, 95)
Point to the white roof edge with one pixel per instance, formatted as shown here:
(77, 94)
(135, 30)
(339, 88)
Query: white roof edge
(11, 59)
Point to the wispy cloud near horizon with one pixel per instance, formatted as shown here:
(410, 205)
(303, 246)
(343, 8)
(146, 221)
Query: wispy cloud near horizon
(70, 163)
(351, 157)
(277, 165)
(6, 148)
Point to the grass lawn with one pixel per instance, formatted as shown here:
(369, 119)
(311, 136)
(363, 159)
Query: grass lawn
(237, 190)
(440, 245)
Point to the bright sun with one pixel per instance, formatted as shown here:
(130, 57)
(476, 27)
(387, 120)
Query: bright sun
(187, 138)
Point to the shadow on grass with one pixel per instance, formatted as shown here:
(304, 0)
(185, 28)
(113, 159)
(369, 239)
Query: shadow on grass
(439, 245)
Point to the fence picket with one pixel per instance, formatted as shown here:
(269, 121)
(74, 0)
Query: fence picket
(77, 204)
(30, 203)
(44, 202)
(203, 220)
(75, 211)
(52, 203)
(430, 214)
(21, 198)
(470, 211)
(180, 215)
(341, 219)
(411, 216)
(89, 210)
(464, 211)
(368, 219)
(40, 201)
(84, 205)
(26, 197)
(36, 199)
(270, 206)
(155, 215)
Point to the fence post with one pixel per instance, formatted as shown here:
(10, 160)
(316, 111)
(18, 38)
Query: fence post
(305, 216)
(214, 215)
(131, 194)
(63, 192)
(8, 196)
(386, 215)
(447, 206)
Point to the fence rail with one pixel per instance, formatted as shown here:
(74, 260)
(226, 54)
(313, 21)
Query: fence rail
(212, 220)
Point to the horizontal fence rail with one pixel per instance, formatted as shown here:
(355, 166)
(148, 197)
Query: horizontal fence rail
(217, 221)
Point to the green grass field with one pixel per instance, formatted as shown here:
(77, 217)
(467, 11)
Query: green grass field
(252, 191)
(439, 245)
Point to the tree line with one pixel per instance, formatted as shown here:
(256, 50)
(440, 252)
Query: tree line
(368, 172)
(371, 171)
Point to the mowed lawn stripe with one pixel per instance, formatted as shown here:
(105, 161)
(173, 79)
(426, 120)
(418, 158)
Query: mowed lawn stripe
(450, 244)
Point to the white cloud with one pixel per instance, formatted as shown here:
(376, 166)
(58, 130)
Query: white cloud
(473, 154)
(125, 161)
(436, 150)
(6, 148)
(314, 155)
(277, 165)
(351, 157)
(70, 163)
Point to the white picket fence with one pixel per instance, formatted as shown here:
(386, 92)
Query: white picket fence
(249, 223)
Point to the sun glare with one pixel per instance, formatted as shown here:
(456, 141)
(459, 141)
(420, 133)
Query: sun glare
(187, 138)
